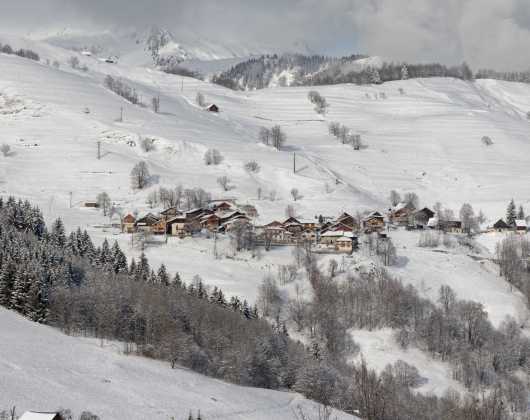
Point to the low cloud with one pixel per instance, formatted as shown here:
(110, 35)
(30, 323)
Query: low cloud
(485, 33)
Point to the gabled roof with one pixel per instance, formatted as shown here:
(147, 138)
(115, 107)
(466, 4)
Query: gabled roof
(501, 224)
(169, 210)
(291, 220)
(177, 218)
(33, 415)
(338, 233)
(425, 210)
(520, 223)
(374, 215)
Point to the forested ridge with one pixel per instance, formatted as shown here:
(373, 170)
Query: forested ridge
(65, 281)
(259, 72)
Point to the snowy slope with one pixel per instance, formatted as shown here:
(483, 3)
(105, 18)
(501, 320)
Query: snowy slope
(427, 140)
(42, 369)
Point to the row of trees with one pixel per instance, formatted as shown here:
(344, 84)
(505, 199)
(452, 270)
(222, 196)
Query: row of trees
(122, 89)
(274, 136)
(259, 73)
(345, 135)
(25, 53)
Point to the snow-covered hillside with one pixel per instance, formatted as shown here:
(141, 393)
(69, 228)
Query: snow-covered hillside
(43, 370)
(422, 135)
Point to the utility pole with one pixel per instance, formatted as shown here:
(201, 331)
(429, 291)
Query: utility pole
(70, 194)
(294, 162)
(99, 150)
(121, 114)
(182, 85)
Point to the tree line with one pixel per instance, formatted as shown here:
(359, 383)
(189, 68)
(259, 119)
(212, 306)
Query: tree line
(260, 72)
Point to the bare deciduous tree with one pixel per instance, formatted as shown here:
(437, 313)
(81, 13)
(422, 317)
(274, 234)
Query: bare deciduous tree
(295, 194)
(140, 175)
(147, 144)
(278, 137)
(224, 182)
(5, 149)
(213, 157)
(104, 202)
(252, 166)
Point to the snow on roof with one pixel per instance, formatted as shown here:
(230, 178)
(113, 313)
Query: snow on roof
(374, 214)
(340, 233)
(33, 415)
(433, 222)
(399, 206)
(520, 223)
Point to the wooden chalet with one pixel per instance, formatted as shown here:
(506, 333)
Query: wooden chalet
(128, 224)
(500, 226)
(221, 206)
(421, 217)
(453, 226)
(401, 214)
(521, 226)
(210, 222)
(249, 210)
(169, 213)
(294, 226)
(348, 220)
(151, 223)
(339, 241)
(373, 222)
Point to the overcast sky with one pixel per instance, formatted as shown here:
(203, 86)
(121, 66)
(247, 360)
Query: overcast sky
(486, 33)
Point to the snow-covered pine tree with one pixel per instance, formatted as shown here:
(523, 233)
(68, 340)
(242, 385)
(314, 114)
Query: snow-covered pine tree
(520, 214)
(404, 72)
(119, 260)
(510, 213)
(58, 235)
(162, 276)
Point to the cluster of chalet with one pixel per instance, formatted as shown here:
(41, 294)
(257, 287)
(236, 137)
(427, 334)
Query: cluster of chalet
(217, 216)
(518, 225)
(405, 214)
(338, 235)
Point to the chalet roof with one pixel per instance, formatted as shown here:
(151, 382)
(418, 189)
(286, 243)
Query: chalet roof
(338, 233)
(520, 223)
(374, 215)
(148, 218)
(169, 210)
(433, 222)
(34, 415)
(177, 218)
(209, 216)
(273, 223)
(501, 224)
(129, 218)
(291, 220)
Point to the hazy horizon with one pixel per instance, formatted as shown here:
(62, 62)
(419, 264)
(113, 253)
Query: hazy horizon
(485, 33)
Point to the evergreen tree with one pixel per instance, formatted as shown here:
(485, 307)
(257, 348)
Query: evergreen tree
(520, 214)
(163, 277)
(375, 78)
(404, 72)
(119, 260)
(19, 292)
(510, 213)
(5, 285)
(58, 235)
